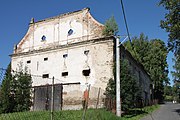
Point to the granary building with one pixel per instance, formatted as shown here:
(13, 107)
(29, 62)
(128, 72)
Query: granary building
(71, 48)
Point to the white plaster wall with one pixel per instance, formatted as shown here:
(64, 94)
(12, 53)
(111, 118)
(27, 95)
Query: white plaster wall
(85, 27)
(99, 59)
(56, 31)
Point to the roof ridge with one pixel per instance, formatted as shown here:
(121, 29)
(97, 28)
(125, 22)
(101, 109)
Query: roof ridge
(58, 16)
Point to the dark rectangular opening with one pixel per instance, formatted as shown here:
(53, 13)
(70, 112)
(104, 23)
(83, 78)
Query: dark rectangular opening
(45, 59)
(86, 52)
(86, 72)
(29, 61)
(64, 73)
(65, 55)
(45, 76)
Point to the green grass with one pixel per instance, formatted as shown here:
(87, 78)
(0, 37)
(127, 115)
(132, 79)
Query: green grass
(137, 114)
(91, 114)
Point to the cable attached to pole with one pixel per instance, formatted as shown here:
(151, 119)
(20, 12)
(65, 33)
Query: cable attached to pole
(125, 20)
(124, 15)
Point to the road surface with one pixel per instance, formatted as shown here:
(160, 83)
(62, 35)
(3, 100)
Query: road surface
(167, 111)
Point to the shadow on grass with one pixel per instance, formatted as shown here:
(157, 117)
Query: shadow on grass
(133, 113)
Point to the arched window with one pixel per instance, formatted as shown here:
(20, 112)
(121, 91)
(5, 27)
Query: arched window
(43, 38)
(70, 32)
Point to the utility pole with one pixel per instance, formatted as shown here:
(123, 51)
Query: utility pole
(52, 99)
(118, 93)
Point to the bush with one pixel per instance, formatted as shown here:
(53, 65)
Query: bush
(130, 92)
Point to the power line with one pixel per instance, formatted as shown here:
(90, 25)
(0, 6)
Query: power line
(124, 15)
(125, 20)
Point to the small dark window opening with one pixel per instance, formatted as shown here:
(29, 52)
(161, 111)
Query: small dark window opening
(86, 52)
(29, 61)
(65, 55)
(43, 38)
(86, 72)
(64, 73)
(45, 76)
(45, 59)
(70, 32)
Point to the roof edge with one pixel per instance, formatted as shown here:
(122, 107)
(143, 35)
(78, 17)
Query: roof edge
(58, 16)
(137, 62)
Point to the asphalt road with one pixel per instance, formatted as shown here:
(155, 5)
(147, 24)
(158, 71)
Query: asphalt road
(167, 111)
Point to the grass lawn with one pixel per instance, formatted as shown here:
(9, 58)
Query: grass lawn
(91, 114)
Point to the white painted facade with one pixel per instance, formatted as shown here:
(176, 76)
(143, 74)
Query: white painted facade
(48, 48)
(35, 49)
(75, 62)
(71, 43)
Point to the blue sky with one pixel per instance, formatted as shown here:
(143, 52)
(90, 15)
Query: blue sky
(142, 16)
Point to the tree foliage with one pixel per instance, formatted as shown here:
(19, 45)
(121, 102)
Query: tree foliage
(6, 98)
(111, 27)
(15, 91)
(176, 73)
(176, 91)
(129, 88)
(140, 45)
(168, 93)
(176, 76)
(172, 23)
(22, 90)
(152, 54)
(168, 90)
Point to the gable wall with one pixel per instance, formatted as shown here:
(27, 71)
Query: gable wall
(84, 27)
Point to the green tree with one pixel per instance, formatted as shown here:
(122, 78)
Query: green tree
(111, 27)
(152, 54)
(176, 76)
(168, 93)
(130, 91)
(129, 87)
(7, 98)
(172, 23)
(15, 91)
(158, 66)
(168, 90)
(176, 73)
(22, 85)
(140, 45)
(111, 89)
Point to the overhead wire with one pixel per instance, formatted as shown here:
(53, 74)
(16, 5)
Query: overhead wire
(32, 75)
(124, 15)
